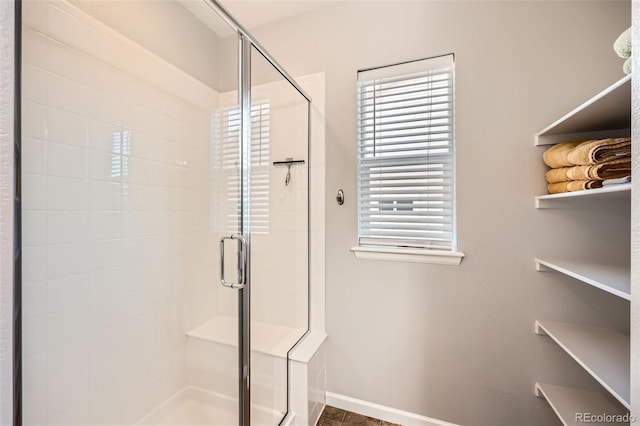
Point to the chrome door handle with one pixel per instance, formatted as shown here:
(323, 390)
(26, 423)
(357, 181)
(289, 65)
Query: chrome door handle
(242, 261)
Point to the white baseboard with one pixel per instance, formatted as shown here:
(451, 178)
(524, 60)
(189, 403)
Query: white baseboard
(382, 412)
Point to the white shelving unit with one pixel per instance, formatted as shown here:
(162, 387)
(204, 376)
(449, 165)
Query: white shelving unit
(608, 114)
(614, 279)
(603, 353)
(566, 402)
(603, 195)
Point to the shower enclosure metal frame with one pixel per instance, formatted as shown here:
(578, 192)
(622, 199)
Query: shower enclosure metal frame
(17, 218)
(245, 43)
(244, 293)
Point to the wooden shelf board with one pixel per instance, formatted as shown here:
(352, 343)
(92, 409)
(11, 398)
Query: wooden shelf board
(600, 195)
(608, 114)
(604, 353)
(614, 279)
(567, 402)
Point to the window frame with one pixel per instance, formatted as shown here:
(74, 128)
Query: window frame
(396, 250)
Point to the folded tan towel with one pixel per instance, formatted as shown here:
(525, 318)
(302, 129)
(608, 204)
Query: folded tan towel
(599, 151)
(610, 170)
(557, 155)
(574, 185)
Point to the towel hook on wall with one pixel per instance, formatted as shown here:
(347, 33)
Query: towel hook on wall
(289, 161)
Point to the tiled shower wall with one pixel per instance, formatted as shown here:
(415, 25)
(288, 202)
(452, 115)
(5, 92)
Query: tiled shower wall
(115, 175)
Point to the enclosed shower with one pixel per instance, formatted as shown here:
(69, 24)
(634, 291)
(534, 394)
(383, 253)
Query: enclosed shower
(165, 217)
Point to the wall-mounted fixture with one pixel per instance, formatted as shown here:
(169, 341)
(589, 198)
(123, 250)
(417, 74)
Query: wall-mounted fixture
(288, 162)
(340, 197)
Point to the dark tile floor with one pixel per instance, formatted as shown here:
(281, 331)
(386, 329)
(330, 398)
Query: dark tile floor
(332, 416)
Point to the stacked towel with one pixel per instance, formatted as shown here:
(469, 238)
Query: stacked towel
(574, 185)
(614, 169)
(580, 165)
(599, 151)
(558, 155)
(622, 47)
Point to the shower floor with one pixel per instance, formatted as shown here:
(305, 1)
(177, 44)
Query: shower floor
(196, 413)
(210, 398)
(194, 406)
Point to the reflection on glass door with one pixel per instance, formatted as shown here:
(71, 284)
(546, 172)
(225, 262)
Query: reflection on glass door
(278, 185)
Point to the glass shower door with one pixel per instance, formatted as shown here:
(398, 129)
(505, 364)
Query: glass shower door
(278, 187)
(130, 177)
(141, 171)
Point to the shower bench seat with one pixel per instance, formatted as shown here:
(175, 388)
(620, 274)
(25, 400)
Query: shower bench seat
(268, 339)
(212, 361)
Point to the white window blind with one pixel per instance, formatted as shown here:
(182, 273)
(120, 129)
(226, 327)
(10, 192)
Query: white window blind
(406, 155)
(226, 166)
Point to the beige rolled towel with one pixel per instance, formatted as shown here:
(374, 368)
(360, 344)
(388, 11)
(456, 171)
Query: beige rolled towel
(557, 155)
(610, 170)
(560, 174)
(574, 185)
(599, 151)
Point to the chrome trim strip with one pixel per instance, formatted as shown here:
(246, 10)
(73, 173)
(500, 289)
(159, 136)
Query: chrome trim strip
(244, 294)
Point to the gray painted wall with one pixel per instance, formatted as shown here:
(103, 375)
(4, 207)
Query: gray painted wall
(457, 343)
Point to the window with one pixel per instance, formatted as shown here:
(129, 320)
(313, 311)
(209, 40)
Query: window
(406, 200)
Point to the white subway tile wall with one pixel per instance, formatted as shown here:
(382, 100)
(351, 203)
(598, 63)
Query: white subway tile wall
(307, 381)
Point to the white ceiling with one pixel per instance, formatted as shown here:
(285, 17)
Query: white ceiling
(254, 13)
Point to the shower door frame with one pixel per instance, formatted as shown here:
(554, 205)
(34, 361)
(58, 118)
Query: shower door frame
(17, 221)
(245, 43)
(245, 46)
(244, 293)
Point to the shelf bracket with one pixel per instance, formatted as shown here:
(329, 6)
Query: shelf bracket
(540, 267)
(539, 329)
(538, 391)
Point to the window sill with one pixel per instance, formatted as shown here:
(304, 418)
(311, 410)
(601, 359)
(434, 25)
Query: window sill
(440, 257)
